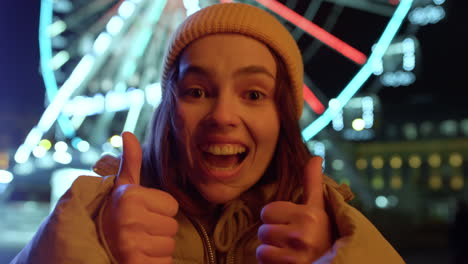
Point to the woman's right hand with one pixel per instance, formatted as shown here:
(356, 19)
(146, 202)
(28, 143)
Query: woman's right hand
(138, 222)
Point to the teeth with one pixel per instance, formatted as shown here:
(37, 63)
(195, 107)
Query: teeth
(223, 149)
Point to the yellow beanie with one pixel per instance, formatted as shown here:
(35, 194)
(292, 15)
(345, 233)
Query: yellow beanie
(243, 19)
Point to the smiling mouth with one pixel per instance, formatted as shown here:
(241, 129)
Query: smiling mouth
(223, 157)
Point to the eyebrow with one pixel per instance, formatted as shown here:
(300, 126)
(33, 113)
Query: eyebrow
(194, 70)
(252, 69)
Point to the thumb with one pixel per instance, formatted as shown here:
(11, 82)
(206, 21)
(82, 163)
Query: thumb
(129, 172)
(313, 179)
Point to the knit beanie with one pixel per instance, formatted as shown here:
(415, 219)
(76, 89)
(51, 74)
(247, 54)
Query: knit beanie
(242, 19)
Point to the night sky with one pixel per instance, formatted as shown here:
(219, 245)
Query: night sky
(21, 85)
(22, 88)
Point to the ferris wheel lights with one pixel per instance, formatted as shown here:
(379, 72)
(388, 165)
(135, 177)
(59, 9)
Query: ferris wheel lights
(362, 76)
(6, 176)
(56, 28)
(114, 25)
(153, 94)
(116, 141)
(191, 6)
(427, 15)
(101, 43)
(126, 9)
(317, 32)
(59, 60)
(39, 152)
(62, 157)
(83, 146)
(22, 154)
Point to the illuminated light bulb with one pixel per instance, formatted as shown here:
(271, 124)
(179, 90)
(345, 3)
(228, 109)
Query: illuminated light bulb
(361, 164)
(102, 42)
(6, 176)
(377, 162)
(378, 182)
(22, 154)
(337, 164)
(39, 152)
(381, 201)
(455, 160)
(153, 94)
(61, 146)
(126, 9)
(414, 161)
(114, 25)
(396, 182)
(358, 124)
(396, 162)
(434, 160)
(83, 146)
(62, 157)
(116, 141)
(435, 182)
(457, 182)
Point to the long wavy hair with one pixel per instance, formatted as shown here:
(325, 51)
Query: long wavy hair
(161, 166)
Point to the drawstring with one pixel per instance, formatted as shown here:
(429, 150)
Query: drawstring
(234, 220)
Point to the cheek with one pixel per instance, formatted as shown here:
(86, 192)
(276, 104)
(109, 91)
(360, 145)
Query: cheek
(266, 131)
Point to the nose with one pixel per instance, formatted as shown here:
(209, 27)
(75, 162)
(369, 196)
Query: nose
(223, 112)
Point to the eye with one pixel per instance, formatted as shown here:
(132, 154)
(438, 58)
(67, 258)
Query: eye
(195, 92)
(254, 95)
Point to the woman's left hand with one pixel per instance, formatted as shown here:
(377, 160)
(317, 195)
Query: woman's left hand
(297, 233)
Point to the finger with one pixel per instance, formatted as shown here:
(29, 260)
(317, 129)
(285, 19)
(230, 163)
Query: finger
(279, 212)
(272, 255)
(154, 200)
(129, 172)
(141, 258)
(145, 221)
(273, 235)
(151, 246)
(313, 179)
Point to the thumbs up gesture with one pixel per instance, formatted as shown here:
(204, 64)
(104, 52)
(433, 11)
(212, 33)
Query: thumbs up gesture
(138, 222)
(296, 233)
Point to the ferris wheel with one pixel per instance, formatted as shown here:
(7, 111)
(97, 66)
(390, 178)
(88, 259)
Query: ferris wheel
(101, 60)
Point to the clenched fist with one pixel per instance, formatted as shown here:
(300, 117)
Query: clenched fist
(296, 233)
(138, 222)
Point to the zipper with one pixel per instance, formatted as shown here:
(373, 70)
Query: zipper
(207, 240)
(232, 259)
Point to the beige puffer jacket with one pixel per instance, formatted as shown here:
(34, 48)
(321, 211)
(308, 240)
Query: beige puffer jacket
(72, 232)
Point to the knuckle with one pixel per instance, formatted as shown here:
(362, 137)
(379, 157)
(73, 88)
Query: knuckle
(261, 253)
(171, 244)
(268, 210)
(309, 217)
(264, 232)
(298, 240)
(173, 226)
(126, 245)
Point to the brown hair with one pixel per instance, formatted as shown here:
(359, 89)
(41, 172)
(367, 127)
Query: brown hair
(160, 168)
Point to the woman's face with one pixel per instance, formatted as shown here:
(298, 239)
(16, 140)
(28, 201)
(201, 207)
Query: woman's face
(227, 119)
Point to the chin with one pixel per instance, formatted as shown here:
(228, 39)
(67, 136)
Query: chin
(220, 196)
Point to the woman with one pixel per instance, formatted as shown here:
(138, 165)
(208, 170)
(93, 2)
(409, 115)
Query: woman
(224, 176)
